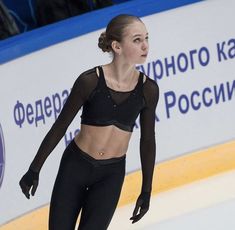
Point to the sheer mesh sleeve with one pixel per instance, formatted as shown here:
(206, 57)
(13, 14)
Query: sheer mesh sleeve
(147, 135)
(80, 92)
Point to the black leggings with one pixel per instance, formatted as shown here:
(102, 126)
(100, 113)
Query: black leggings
(88, 184)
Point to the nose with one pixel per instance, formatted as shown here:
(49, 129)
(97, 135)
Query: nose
(145, 45)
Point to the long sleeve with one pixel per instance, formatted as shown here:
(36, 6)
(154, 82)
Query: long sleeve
(147, 135)
(81, 89)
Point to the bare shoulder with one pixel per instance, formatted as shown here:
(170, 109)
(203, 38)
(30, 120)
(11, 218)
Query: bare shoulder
(97, 71)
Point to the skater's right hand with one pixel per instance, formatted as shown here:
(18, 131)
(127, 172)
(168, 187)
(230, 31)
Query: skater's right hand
(29, 181)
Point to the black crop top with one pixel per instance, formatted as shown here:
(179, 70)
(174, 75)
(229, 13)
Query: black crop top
(104, 106)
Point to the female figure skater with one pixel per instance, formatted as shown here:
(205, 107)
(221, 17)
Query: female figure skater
(92, 167)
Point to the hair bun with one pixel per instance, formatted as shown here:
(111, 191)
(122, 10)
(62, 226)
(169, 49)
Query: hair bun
(103, 43)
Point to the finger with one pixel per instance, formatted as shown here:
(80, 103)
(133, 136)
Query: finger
(135, 218)
(140, 215)
(25, 189)
(137, 207)
(34, 188)
(135, 212)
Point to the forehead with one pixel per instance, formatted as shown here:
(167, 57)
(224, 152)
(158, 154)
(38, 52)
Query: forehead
(135, 28)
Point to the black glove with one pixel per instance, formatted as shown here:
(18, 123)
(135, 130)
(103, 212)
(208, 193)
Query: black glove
(30, 179)
(142, 203)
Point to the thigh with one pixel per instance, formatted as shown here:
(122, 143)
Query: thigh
(68, 193)
(101, 202)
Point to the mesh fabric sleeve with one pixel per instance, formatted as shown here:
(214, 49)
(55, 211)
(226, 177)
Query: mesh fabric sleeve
(147, 133)
(80, 92)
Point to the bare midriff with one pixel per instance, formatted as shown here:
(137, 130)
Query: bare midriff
(103, 142)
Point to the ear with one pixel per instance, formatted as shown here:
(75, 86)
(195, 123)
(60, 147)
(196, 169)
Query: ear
(116, 47)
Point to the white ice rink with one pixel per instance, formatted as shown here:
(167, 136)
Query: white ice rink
(203, 205)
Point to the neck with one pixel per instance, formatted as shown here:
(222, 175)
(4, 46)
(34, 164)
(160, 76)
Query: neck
(122, 72)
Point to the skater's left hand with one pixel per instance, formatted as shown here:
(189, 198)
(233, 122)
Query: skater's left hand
(141, 207)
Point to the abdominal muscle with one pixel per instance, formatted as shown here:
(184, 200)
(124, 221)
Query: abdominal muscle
(103, 142)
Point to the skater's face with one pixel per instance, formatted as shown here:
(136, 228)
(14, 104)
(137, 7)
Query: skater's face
(134, 45)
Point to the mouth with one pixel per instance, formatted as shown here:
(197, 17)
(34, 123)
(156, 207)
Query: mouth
(144, 55)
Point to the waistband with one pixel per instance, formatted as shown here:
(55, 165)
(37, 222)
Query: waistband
(94, 161)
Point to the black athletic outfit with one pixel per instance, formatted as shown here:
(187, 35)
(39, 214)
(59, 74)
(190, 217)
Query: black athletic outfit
(82, 181)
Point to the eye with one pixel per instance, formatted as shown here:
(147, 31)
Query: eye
(147, 38)
(137, 40)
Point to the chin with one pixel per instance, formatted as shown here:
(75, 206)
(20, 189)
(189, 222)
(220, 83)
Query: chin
(142, 61)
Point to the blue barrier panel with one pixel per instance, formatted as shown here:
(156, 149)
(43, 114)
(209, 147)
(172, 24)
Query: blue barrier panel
(42, 37)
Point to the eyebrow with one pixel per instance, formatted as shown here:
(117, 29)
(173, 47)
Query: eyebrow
(137, 35)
